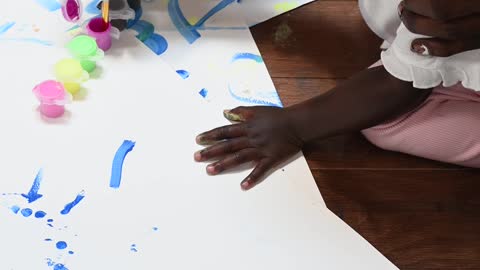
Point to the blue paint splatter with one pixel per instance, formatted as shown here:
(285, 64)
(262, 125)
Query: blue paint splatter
(40, 214)
(92, 7)
(203, 93)
(61, 245)
(26, 212)
(50, 225)
(50, 5)
(60, 266)
(133, 248)
(5, 27)
(247, 56)
(157, 43)
(188, 31)
(117, 165)
(71, 252)
(15, 209)
(69, 206)
(183, 73)
(48, 240)
(50, 220)
(155, 228)
(33, 193)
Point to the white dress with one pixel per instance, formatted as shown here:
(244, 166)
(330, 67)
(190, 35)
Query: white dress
(424, 71)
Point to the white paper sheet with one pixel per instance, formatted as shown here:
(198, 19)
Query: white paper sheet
(167, 212)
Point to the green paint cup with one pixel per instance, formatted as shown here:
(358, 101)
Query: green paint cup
(85, 50)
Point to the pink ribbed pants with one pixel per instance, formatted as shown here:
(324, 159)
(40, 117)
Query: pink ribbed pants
(446, 127)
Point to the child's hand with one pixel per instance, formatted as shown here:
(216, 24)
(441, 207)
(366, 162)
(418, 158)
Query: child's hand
(263, 135)
(455, 25)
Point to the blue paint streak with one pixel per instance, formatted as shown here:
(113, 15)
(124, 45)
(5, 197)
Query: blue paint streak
(40, 214)
(203, 93)
(71, 252)
(92, 7)
(69, 206)
(223, 4)
(50, 225)
(183, 73)
(278, 103)
(61, 245)
(117, 165)
(33, 193)
(138, 15)
(133, 248)
(49, 220)
(247, 56)
(5, 27)
(15, 209)
(48, 240)
(157, 43)
(50, 5)
(26, 212)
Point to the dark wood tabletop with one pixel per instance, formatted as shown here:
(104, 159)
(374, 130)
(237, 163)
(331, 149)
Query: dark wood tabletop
(420, 214)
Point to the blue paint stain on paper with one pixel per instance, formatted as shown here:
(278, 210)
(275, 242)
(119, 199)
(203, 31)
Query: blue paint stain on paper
(61, 245)
(155, 228)
(157, 43)
(203, 93)
(48, 240)
(247, 56)
(5, 27)
(50, 220)
(183, 73)
(69, 206)
(59, 266)
(50, 5)
(71, 252)
(26, 212)
(118, 160)
(15, 209)
(133, 248)
(146, 34)
(40, 214)
(33, 193)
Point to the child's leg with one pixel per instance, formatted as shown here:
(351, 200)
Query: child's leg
(445, 128)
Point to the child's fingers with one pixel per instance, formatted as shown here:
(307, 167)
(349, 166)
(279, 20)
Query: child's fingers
(221, 133)
(233, 160)
(444, 48)
(257, 175)
(222, 148)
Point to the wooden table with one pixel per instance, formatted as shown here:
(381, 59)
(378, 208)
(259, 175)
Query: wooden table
(418, 213)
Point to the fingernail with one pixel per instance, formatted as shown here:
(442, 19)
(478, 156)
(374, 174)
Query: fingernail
(401, 8)
(419, 49)
(245, 185)
(232, 116)
(211, 169)
(201, 140)
(198, 156)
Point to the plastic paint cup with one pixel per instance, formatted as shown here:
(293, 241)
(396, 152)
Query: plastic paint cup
(71, 74)
(52, 97)
(85, 50)
(101, 32)
(72, 10)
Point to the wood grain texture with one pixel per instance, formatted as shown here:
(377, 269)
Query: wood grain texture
(420, 214)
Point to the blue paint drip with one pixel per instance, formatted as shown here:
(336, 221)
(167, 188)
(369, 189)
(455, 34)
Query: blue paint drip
(183, 73)
(26, 212)
(203, 93)
(50, 5)
(92, 7)
(15, 209)
(61, 245)
(69, 206)
(40, 214)
(5, 27)
(33, 193)
(117, 165)
(247, 56)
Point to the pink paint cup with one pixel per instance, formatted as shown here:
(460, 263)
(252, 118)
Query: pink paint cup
(101, 32)
(52, 97)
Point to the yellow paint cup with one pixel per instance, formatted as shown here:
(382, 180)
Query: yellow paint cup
(71, 74)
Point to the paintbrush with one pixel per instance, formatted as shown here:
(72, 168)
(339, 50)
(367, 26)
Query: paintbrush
(106, 11)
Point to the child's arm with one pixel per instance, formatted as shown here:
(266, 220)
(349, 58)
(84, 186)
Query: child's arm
(269, 136)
